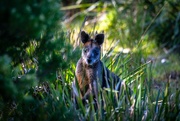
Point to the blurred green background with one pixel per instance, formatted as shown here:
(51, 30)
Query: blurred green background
(39, 48)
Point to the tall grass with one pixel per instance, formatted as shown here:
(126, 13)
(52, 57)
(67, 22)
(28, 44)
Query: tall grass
(144, 102)
(148, 101)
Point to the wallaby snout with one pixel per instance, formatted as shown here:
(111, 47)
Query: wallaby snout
(89, 60)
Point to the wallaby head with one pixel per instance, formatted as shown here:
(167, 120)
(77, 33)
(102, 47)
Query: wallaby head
(91, 48)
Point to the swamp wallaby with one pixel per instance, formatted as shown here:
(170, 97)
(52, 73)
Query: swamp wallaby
(90, 71)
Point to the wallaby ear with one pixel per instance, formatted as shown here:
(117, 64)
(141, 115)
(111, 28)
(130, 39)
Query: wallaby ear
(99, 38)
(84, 37)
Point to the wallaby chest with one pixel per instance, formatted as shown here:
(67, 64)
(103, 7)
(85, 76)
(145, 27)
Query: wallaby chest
(86, 75)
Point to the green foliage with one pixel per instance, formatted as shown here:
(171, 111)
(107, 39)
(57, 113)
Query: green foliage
(8, 89)
(33, 52)
(21, 22)
(45, 106)
(37, 62)
(138, 25)
(166, 28)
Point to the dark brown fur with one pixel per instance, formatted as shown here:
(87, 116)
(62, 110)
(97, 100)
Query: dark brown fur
(92, 77)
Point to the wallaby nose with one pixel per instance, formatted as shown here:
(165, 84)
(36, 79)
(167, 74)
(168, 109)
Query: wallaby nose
(89, 60)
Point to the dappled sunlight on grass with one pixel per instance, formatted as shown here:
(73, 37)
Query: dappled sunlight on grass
(40, 48)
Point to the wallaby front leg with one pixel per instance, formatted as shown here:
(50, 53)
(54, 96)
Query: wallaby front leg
(92, 91)
(76, 94)
(95, 92)
(87, 94)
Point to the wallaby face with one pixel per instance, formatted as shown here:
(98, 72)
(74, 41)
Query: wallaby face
(91, 51)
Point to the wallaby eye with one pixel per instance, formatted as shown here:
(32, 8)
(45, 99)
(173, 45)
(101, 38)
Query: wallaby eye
(85, 50)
